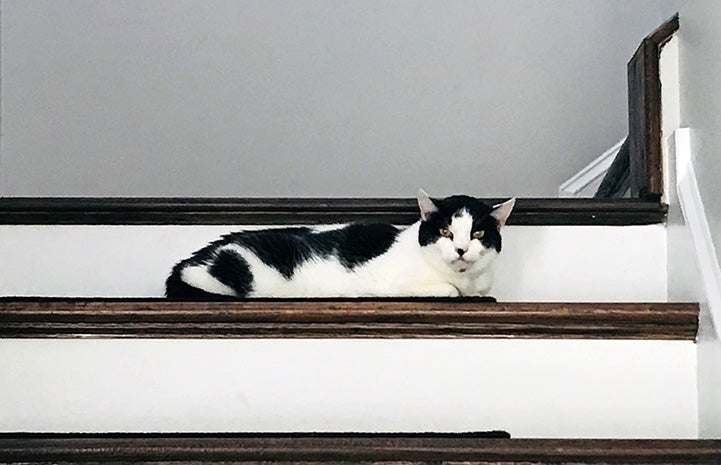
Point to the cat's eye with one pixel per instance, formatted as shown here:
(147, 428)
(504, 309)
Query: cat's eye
(445, 232)
(478, 234)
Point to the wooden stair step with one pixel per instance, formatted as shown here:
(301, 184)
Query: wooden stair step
(353, 448)
(343, 318)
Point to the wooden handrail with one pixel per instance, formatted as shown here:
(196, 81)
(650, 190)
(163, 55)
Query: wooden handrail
(644, 114)
(638, 166)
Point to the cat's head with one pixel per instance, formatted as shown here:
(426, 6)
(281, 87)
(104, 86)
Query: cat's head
(461, 232)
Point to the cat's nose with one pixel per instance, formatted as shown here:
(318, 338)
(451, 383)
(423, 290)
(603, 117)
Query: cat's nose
(461, 252)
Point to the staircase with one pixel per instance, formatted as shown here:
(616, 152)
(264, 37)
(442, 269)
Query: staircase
(326, 381)
(582, 360)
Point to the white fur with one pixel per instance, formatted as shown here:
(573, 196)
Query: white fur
(199, 277)
(328, 227)
(406, 269)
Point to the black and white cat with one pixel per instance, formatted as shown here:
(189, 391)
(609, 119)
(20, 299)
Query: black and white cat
(449, 252)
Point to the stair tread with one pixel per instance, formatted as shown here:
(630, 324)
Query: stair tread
(344, 318)
(330, 448)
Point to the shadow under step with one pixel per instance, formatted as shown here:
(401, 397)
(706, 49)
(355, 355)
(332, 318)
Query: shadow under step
(26, 317)
(354, 448)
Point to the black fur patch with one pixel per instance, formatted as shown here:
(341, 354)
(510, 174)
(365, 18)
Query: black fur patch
(232, 270)
(287, 249)
(358, 243)
(283, 249)
(429, 231)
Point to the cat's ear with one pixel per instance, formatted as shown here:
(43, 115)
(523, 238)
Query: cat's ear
(426, 205)
(502, 211)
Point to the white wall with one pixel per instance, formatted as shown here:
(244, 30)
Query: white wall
(556, 263)
(311, 98)
(700, 72)
(532, 388)
(691, 76)
(685, 283)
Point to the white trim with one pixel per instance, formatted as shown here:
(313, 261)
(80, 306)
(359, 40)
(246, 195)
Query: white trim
(695, 217)
(577, 185)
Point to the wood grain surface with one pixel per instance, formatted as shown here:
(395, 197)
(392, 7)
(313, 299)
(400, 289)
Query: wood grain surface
(349, 448)
(245, 211)
(644, 114)
(349, 318)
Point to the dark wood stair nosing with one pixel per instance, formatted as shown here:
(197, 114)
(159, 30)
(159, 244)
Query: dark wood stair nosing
(330, 448)
(343, 318)
(279, 211)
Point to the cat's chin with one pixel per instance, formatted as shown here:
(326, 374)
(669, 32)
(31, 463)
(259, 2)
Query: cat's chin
(460, 265)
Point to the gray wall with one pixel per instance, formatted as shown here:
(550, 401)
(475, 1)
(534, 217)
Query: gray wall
(311, 98)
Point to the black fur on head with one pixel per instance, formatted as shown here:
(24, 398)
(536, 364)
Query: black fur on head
(439, 213)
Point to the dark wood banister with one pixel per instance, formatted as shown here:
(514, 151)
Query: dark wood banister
(615, 183)
(639, 166)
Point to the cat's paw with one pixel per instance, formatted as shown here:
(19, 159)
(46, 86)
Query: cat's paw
(445, 290)
(452, 291)
(437, 290)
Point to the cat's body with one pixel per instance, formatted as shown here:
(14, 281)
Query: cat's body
(437, 256)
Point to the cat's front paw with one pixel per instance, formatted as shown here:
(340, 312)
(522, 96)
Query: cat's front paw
(452, 291)
(443, 290)
(436, 290)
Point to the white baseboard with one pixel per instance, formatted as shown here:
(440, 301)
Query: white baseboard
(586, 181)
(695, 218)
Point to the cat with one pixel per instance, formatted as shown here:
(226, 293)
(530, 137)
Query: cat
(449, 252)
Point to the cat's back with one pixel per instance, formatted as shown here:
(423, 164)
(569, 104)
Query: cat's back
(282, 261)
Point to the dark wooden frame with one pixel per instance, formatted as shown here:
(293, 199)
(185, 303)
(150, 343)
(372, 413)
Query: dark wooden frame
(639, 165)
(348, 448)
(644, 114)
(349, 318)
(617, 181)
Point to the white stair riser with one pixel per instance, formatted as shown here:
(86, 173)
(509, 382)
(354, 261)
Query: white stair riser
(538, 263)
(532, 388)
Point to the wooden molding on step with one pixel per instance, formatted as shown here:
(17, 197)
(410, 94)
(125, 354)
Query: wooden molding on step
(268, 211)
(349, 318)
(329, 448)
(644, 114)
